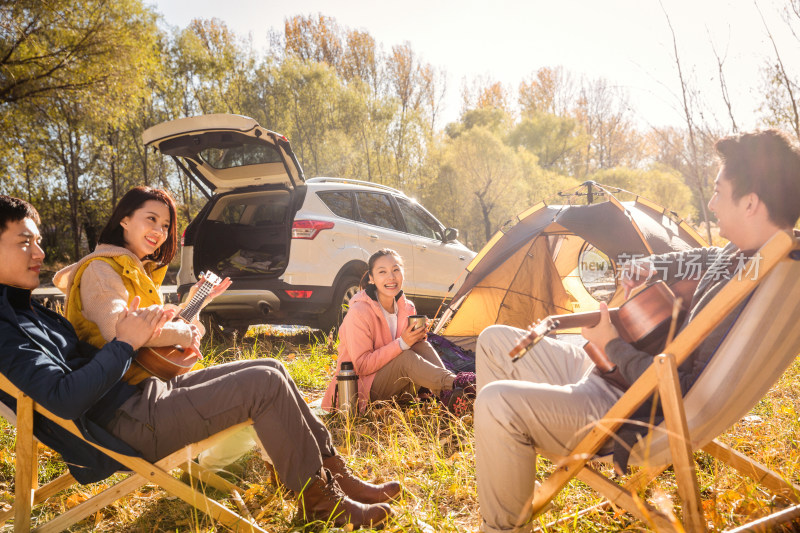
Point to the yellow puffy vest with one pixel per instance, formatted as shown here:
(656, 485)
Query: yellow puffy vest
(145, 285)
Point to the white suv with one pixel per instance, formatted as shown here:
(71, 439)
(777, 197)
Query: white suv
(294, 248)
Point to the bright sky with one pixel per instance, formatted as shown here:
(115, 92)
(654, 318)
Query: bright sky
(627, 42)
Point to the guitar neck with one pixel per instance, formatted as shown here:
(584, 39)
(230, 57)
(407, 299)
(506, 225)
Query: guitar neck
(554, 323)
(581, 320)
(194, 305)
(636, 320)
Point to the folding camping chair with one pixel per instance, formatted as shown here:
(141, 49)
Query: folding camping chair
(27, 494)
(762, 343)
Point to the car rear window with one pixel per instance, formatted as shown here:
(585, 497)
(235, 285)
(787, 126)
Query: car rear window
(270, 213)
(340, 203)
(240, 155)
(252, 209)
(232, 214)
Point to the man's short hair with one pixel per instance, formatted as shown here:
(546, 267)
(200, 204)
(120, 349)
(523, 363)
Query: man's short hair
(13, 209)
(766, 163)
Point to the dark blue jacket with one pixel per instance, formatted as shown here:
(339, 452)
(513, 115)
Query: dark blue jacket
(42, 356)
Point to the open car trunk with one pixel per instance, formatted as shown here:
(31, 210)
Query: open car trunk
(245, 230)
(246, 234)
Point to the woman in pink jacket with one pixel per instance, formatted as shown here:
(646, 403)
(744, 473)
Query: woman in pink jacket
(390, 357)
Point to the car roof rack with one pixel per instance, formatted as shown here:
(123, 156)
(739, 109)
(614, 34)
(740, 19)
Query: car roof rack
(323, 179)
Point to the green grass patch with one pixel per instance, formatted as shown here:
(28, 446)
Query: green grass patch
(432, 454)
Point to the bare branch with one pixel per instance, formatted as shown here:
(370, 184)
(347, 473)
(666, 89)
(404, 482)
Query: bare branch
(694, 164)
(784, 75)
(723, 85)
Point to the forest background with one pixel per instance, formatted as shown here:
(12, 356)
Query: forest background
(80, 81)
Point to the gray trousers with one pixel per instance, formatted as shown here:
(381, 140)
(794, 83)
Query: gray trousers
(545, 402)
(419, 366)
(166, 416)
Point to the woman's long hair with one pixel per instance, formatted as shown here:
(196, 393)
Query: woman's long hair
(134, 199)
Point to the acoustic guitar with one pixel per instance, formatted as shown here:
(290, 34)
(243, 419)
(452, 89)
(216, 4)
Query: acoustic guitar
(643, 320)
(166, 362)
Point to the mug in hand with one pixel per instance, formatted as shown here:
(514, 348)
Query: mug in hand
(418, 321)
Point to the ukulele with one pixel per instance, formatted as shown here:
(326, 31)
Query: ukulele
(643, 320)
(166, 362)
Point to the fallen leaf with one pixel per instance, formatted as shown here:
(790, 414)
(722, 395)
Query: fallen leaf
(76, 498)
(452, 459)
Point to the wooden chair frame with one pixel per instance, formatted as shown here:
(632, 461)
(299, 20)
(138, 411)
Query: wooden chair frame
(662, 377)
(28, 494)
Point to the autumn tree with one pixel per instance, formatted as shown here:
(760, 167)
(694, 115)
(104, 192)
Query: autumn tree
(49, 47)
(555, 141)
(575, 126)
(303, 97)
(484, 104)
(346, 105)
(27, 172)
(115, 56)
(781, 108)
(412, 87)
(314, 38)
(361, 60)
(215, 66)
(672, 149)
(490, 178)
(603, 113)
(550, 90)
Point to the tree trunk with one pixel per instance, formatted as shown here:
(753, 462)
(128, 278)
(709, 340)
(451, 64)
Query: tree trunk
(485, 211)
(112, 142)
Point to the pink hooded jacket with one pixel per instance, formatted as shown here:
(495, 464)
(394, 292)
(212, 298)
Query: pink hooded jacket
(365, 339)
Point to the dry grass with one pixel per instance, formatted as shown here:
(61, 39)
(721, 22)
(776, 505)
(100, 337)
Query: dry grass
(432, 454)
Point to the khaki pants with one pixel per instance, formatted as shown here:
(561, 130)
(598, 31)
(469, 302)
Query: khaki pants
(165, 416)
(419, 366)
(546, 401)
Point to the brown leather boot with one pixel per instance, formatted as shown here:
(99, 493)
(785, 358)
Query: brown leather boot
(323, 500)
(358, 489)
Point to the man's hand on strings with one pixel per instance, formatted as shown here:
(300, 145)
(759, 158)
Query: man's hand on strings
(602, 333)
(635, 273)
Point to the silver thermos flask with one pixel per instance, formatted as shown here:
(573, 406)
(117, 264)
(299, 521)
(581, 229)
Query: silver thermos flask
(347, 388)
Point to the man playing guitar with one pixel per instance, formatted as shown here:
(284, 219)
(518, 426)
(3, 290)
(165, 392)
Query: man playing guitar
(549, 397)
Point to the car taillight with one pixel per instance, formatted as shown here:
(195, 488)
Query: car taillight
(308, 229)
(299, 294)
(183, 238)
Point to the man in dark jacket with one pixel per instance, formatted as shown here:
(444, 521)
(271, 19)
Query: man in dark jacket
(41, 355)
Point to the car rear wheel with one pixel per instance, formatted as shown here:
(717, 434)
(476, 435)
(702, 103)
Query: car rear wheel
(345, 290)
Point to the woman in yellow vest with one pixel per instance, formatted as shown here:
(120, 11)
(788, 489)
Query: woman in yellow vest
(131, 259)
